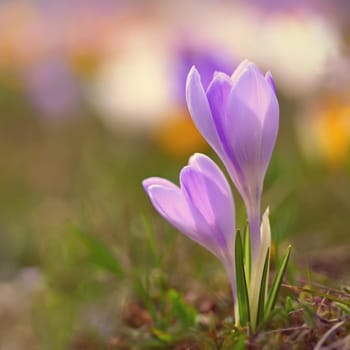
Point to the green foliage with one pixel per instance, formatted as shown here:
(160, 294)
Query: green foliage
(276, 285)
(247, 253)
(99, 253)
(184, 313)
(265, 301)
(263, 286)
(288, 304)
(241, 282)
(234, 341)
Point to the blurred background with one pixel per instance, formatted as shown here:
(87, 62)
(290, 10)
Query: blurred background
(92, 100)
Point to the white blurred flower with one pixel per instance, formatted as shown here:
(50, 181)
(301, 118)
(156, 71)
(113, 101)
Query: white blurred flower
(298, 48)
(133, 89)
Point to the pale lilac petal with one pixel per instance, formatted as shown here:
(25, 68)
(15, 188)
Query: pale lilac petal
(211, 203)
(269, 134)
(157, 181)
(249, 106)
(169, 201)
(209, 168)
(243, 129)
(217, 95)
(242, 67)
(171, 204)
(199, 108)
(269, 79)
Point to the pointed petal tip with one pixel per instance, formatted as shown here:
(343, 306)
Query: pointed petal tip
(192, 72)
(193, 79)
(192, 76)
(184, 173)
(220, 76)
(146, 183)
(243, 67)
(194, 158)
(156, 181)
(269, 79)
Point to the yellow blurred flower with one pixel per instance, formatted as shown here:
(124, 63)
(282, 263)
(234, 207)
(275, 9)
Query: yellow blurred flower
(333, 130)
(326, 131)
(178, 136)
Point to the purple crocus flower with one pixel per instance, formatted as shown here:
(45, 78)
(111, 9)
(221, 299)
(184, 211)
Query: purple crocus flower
(238, 116)
(202, 208)
(206, 58)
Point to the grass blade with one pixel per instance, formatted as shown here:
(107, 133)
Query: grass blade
(152, 241)
(242, 290)
(99, 253)
(263, 285)
(277, 283)
(247, 253)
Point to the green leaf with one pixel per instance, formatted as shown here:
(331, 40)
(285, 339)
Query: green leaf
(263, 285)
(186, 314)
(346, 290)
(276, 285)
(289, 304)
(242, 290)
(164, 337)
(247, 253)
(344, 308)
(99, 253)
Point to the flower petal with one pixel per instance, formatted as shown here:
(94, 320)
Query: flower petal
(251, 111)
(211, 203)
(171, 204)
(209, 168)
(169, 201)
(217, 95)
(269, 134)
(242, 67)
(199, 108)
(269, 79)
(157, 181)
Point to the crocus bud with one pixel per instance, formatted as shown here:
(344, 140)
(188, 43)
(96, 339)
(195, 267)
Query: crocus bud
(238, 116)
(202, 208)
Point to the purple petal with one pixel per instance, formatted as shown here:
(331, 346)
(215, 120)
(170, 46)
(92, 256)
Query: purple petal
(243, 129)
(211, 203)
(199, 108)
(157, 181)
(217, 95)
(206, 166)
(171, 204)
(269, 133)
(269, 79)
(169, 201)
(251, 111)
(242, 67)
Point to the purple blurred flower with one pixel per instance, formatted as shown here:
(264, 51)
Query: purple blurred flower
(238, 116)
(271, 6)
(202, 208)
(52, 89)
(208, 60)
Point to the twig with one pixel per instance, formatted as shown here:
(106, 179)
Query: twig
(322, 286)
(327, 334)
(316, 292)
(288, 329)
(343, 343)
